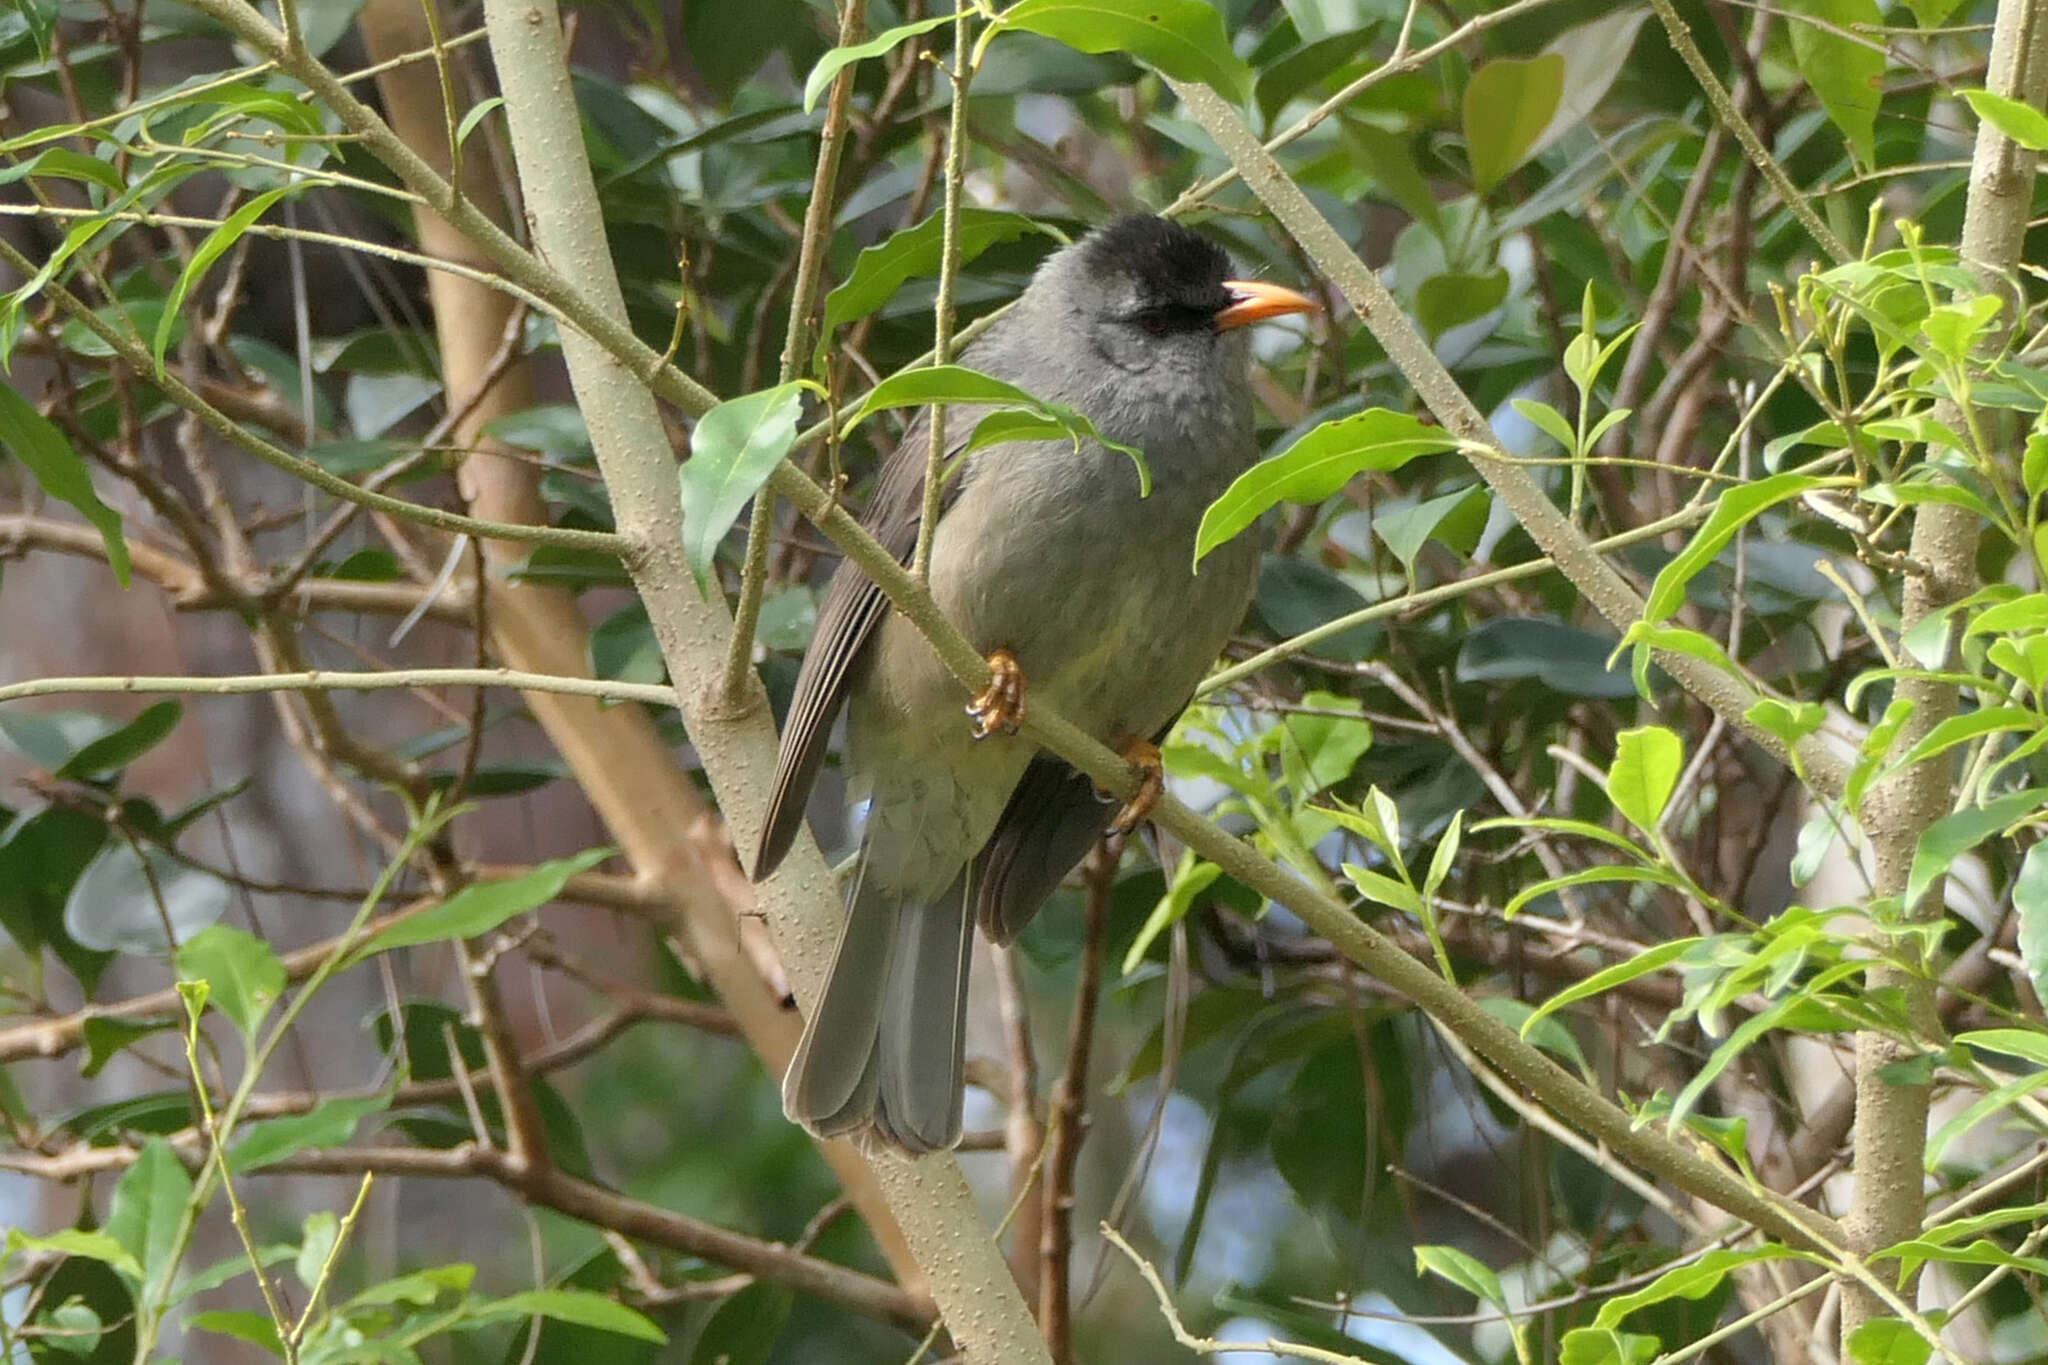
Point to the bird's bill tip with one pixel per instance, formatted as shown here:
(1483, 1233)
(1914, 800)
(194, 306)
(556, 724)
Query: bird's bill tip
(1255, 301)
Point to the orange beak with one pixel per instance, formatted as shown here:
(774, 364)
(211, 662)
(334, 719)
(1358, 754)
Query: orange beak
(1255, 301)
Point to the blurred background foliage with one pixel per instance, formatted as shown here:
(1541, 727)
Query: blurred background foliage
(1276, 1133)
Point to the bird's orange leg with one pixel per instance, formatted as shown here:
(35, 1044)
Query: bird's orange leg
(1143, 756)
(999, 707)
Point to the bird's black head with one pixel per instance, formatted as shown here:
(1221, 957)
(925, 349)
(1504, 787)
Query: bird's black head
(1157, 276)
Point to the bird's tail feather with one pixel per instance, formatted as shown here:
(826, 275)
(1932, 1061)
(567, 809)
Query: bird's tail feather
(883, 1050)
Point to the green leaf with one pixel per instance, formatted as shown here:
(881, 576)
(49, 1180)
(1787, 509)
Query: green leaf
(1322, 62)
(939, 384)
(1297, 596)
(1847, 74)
(1549, 421)
(1601, 1346)
(1694, 1280)
(478, 112)
(579, 1306)
(106, 1034)
(886, 41)
(1455, 519)
(244, 977)
(745, 1328)
(480, 908)
(2030, 900)
(1561, 657)
(123, 898)
(2021, 122)
(35, 440)
(148, 1205)
(958, 384)
(1653, 959)
(913, 253)
(1887, 1341)
(217, 244)
(1316, 466)
(1948, 838)
(1733, 510)
(1508, 104)
(1790, 722)
(322, 1234)
(61, 163)
(2015, 1042)
(329, 1123)
(733, 450)
(2026, 612)
(1191, 877)
(1381, 889)
(1184, 39)
(1453, 299)
(97, 1246)
(1647, 763)
(1594, 54)
(255, 1328)
(2034, 464)
(114, 751)
(1966, 727)
(1467, 1272)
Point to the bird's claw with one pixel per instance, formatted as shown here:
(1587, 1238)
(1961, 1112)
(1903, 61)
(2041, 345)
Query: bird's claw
(999, 707)
(1143, 756)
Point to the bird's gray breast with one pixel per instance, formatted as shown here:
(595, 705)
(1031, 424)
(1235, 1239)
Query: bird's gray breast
(1053, 554)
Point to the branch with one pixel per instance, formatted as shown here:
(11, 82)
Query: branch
(189, 589)
(552, 1189)
(329, 680)
(137, 357)
(1546, 525)
(1066, 1123)
(50, 1038)
(631, 776)
(802, 900)
(929, 1199)
(1891, 1114)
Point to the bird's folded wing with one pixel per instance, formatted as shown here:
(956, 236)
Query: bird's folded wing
(846, 621)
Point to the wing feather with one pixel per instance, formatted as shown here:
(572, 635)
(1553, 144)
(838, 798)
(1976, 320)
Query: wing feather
(853, 606)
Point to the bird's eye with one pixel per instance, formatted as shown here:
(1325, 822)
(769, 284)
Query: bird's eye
(1156, 322)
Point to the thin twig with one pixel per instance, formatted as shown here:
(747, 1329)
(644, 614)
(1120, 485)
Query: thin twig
(1066, 1124)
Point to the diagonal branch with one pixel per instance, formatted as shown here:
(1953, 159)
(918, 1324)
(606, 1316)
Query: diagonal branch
(1546, 525)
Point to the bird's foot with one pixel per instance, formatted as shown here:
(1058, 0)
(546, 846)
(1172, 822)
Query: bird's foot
(1143, 756)
(999, 707)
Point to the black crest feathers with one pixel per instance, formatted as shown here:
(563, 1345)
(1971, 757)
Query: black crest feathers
(1167, 260)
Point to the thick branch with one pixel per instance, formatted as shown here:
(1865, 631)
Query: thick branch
(1891, 1112)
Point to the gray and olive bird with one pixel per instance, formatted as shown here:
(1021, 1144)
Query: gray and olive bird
(1051, 562)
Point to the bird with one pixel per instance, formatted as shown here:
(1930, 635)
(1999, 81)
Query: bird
(1079, 590)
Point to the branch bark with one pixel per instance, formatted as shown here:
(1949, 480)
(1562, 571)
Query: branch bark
(735, 741)
(639, 789)
(1891, 1114)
